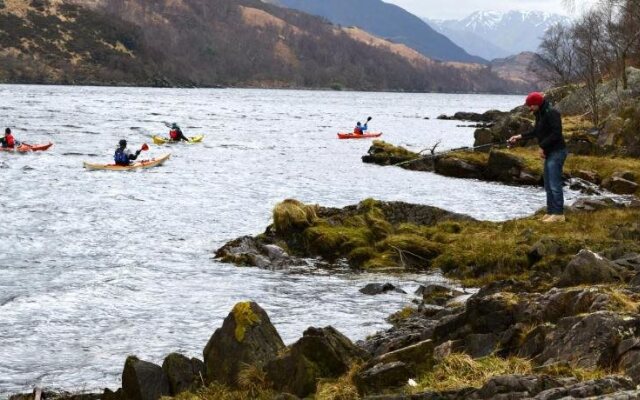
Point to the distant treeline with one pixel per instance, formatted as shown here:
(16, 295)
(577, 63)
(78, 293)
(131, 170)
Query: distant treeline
(209, 43)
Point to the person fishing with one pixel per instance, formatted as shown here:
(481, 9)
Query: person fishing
(553, 150)
(361, 129)
(176, 135)
(123, 156)
(8, 141)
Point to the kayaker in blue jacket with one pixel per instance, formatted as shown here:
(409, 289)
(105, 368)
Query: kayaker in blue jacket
(360, 129)
(124, 156)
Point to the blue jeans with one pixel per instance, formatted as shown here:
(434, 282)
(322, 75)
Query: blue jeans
(553, 164)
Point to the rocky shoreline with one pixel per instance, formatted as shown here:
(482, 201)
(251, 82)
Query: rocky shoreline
(556, 315)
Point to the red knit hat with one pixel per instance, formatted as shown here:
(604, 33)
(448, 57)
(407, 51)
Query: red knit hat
(534, 99)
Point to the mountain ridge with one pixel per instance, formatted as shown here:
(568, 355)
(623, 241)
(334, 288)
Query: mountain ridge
(495, 34)
(387, 21)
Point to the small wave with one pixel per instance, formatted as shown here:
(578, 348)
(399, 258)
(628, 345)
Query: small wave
(8, 300)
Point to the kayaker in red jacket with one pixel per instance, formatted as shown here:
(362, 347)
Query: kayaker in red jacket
(8, 141)
(176, 134)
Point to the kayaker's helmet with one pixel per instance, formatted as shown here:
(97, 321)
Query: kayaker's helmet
(359, 123)
(174, 126)
(122, 143)
(7, 131)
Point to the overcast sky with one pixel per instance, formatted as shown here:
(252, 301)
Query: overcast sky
(458, 9)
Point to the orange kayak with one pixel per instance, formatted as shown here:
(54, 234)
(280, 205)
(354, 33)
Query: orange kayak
(354, 136)
(25, 148)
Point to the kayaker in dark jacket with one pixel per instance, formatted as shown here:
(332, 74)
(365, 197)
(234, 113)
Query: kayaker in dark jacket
(548, 131)
(176, 134)
(123, 156)
(8, 141)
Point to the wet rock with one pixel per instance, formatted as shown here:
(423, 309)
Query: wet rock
(246, 337)
(592, 340)
(437, 294)
(184, 374)
(109, 394)
(619, 185)
(373, 289)
(588, 267)
(457, 168)
(591, 204)
(143, 380)
(409, 332)
(383, 376)
(249, 251)
(584, 187)
(320, 353)
(508, 168)
(626, 175)
(587, 175)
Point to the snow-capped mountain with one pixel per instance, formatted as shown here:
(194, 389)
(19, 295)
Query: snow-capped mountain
(493, 34)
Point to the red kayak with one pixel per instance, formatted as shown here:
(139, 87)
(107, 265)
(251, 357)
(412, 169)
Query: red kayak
(363, 136)
(25, 148)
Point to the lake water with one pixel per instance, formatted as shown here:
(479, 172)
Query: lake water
(95, 266)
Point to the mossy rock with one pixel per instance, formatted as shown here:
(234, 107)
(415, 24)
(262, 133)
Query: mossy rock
(293, 216)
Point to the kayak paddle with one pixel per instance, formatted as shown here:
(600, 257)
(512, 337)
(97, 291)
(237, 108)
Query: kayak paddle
(144, 147)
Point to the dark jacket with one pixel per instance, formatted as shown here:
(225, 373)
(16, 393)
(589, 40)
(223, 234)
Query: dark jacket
(548, 129)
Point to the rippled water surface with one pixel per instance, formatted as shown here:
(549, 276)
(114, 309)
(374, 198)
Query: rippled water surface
(95, 266)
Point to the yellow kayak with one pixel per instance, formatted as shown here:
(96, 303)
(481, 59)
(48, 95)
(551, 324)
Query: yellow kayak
(165, 140)
(143, 164)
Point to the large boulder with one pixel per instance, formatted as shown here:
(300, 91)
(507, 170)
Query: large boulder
(383, 376)
(142, 380)
(588, 267)
(373, 289)
(588, 341)
(619, 185)
(457, 168)
(509, 168)
(320, 353)
(184, 374)
(246, 337)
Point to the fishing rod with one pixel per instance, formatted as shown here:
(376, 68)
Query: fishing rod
(465, 148)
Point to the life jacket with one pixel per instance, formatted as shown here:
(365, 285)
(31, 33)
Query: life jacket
(9, 141)
(174, 134)
(121, 158)
(357, 130)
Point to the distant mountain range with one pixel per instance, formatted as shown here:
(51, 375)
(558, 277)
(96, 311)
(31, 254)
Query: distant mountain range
(387, 21)
(493, 34)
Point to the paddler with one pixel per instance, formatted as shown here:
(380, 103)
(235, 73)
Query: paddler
(123, 156)
(8, 141)
(176, 135)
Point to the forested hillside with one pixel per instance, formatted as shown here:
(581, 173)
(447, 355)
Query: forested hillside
(209, 43)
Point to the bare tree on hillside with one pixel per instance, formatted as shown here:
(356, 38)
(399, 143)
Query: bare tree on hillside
(557, 56)
(592, 58)
(622, 27)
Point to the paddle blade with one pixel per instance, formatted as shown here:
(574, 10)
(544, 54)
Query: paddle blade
(369, 119)
(144, 147)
